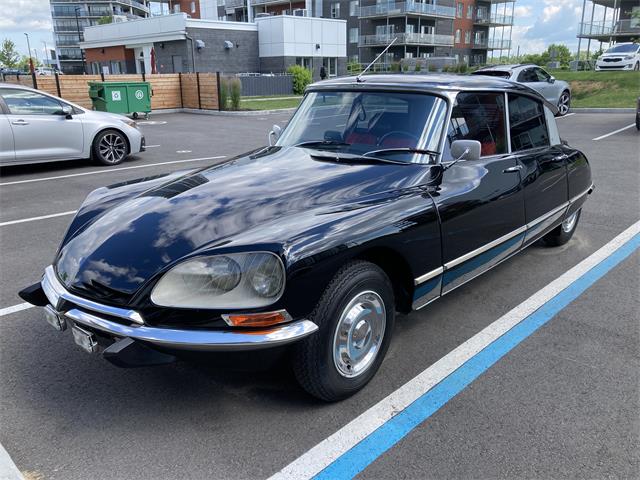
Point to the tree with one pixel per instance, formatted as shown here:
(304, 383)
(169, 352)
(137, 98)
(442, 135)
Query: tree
(8, 54)
(105, 20)
(558, 53)
(23, 64)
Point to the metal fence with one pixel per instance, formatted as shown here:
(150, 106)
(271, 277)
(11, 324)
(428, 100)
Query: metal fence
(254, 85)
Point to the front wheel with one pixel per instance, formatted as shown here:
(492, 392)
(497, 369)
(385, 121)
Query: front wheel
(110, 147)
(563, 232)
(355, 316)
(564, 103)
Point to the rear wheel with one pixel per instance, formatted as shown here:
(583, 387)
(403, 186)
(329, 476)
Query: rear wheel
(636, 67)
(564, 103)
(563, 232)
(110, 147)
(355, 317)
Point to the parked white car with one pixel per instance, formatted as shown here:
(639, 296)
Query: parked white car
(622, 56)
(557, 92)
(38, 127)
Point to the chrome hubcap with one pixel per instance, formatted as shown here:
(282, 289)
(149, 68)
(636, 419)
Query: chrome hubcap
(112, 147)
(569, 222)
(359, 334)
(563, 104)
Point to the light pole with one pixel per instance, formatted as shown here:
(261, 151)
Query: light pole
(29, 50)
(84, 67)
(46, 53)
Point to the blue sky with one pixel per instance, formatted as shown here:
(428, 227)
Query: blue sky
(538, 23)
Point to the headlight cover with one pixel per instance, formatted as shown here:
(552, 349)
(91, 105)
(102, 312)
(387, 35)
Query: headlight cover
(230, 281)
(131, 123)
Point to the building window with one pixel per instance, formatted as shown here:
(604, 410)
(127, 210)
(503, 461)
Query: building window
(354, 58)
(458, 34)
(353, 35)
(467, 37)
(304, 62)
(460, 11)
(193, 7)
(469, 12)
(335, 10)
(331, 66)
(353, 8)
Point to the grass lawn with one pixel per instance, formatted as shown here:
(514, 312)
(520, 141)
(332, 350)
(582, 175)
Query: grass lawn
(269, 103)
(602, 89)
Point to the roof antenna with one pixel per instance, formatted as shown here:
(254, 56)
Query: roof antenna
(358, 79)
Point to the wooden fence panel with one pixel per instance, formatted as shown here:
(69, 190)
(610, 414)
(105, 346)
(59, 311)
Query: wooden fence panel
(190, 90)
(208, 91)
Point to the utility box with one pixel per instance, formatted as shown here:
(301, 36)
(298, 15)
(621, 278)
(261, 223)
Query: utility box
(121, 97)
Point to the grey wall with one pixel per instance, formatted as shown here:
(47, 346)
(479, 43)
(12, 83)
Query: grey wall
(280, 64)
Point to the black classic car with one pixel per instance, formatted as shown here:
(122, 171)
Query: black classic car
(382, 194)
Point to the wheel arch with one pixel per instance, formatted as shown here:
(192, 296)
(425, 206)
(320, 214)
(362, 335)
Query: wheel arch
(104, 129)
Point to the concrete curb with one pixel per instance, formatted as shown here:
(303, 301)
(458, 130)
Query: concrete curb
(602, 110)
(227, 113)
(8, 469)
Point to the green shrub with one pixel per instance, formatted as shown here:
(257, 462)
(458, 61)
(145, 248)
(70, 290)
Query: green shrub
(235, 87)
(418, 67)
(301, 78)
(354, 68)
(224, 93)
(462, 68)
(395, 67)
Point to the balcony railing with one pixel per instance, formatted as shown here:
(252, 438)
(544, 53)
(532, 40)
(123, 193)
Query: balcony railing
(263, 2)
(400, 8)
(493, 44)
(622, 27)
(428, 39)
(495, 20)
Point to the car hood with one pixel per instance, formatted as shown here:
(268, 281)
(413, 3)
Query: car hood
(616, 54)
(261, 200)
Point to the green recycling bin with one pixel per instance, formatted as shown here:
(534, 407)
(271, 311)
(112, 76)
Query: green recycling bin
(121, 97)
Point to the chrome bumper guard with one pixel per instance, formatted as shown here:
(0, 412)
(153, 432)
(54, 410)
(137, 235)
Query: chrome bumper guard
(200, 340)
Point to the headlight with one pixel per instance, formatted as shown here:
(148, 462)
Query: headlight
(629, 57)
(131, 123)
(236, 280)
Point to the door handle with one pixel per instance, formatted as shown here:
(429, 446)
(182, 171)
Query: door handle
(514, 169)
(19, 122)
(560, 158)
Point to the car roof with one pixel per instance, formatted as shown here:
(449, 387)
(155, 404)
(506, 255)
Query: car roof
(500, 68)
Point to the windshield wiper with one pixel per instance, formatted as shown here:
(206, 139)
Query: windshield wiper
(322, 143)
(349, 157)
(420, 151)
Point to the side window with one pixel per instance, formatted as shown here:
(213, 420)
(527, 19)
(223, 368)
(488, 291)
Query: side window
(481, 117)
(527, 123)
(554, 134)
(542, 75)
(25, 102)
(527, 75)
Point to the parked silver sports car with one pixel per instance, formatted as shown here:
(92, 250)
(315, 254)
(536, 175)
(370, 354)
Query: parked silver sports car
(38, 127)
(554, 91)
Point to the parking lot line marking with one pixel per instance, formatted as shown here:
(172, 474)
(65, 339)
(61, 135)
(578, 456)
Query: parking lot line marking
(151, 146)
(614, 132)
(33, 219)
(565, 116)
(356, 445)
(109, 170)
(15, 308)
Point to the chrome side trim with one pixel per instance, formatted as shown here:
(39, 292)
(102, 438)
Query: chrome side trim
(550, 214)
(56, 292)
(428, 276)
(484, 248)
(580, 195)
(204, 340)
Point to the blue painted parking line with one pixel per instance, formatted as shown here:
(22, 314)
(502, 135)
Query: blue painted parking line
(368, 450)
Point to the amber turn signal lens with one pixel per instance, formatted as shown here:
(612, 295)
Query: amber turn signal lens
(266, 319)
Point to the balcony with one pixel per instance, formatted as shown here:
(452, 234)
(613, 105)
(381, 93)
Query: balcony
(407, 8)
(420, 39)
(269, 2)
(494, 44)
(494, 20)
(605, 30)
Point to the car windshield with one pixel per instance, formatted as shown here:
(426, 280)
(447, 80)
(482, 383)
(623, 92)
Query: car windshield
(493, 73)
(404, 127)
(629, 48)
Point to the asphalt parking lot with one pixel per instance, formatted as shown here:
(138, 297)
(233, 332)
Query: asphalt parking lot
(562, 404)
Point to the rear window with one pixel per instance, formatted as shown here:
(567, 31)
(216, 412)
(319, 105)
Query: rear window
(493, 73)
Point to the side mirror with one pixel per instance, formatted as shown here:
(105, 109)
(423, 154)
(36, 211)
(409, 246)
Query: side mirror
(274, 134)
(465, 150)
(551, 79)
(66, 111)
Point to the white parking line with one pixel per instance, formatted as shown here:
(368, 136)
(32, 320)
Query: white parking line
(15, 308)
(614, 132)
(565, 116)
(33, 219)
(151, 146)
(356, 432)
(109, 170)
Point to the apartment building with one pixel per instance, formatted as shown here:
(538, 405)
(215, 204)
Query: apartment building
(70, 17)
(609, 21)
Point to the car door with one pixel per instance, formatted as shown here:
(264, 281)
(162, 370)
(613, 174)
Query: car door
(480, 202)
(7, 152)
(532, 77)
(40, 132)
(544, 172)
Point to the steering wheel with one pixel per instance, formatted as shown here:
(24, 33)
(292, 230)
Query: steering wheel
(398, 133)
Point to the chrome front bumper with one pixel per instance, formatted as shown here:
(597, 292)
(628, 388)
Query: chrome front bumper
(94, 315)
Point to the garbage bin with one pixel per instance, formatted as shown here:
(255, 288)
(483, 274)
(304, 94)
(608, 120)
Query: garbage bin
(121, 97)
